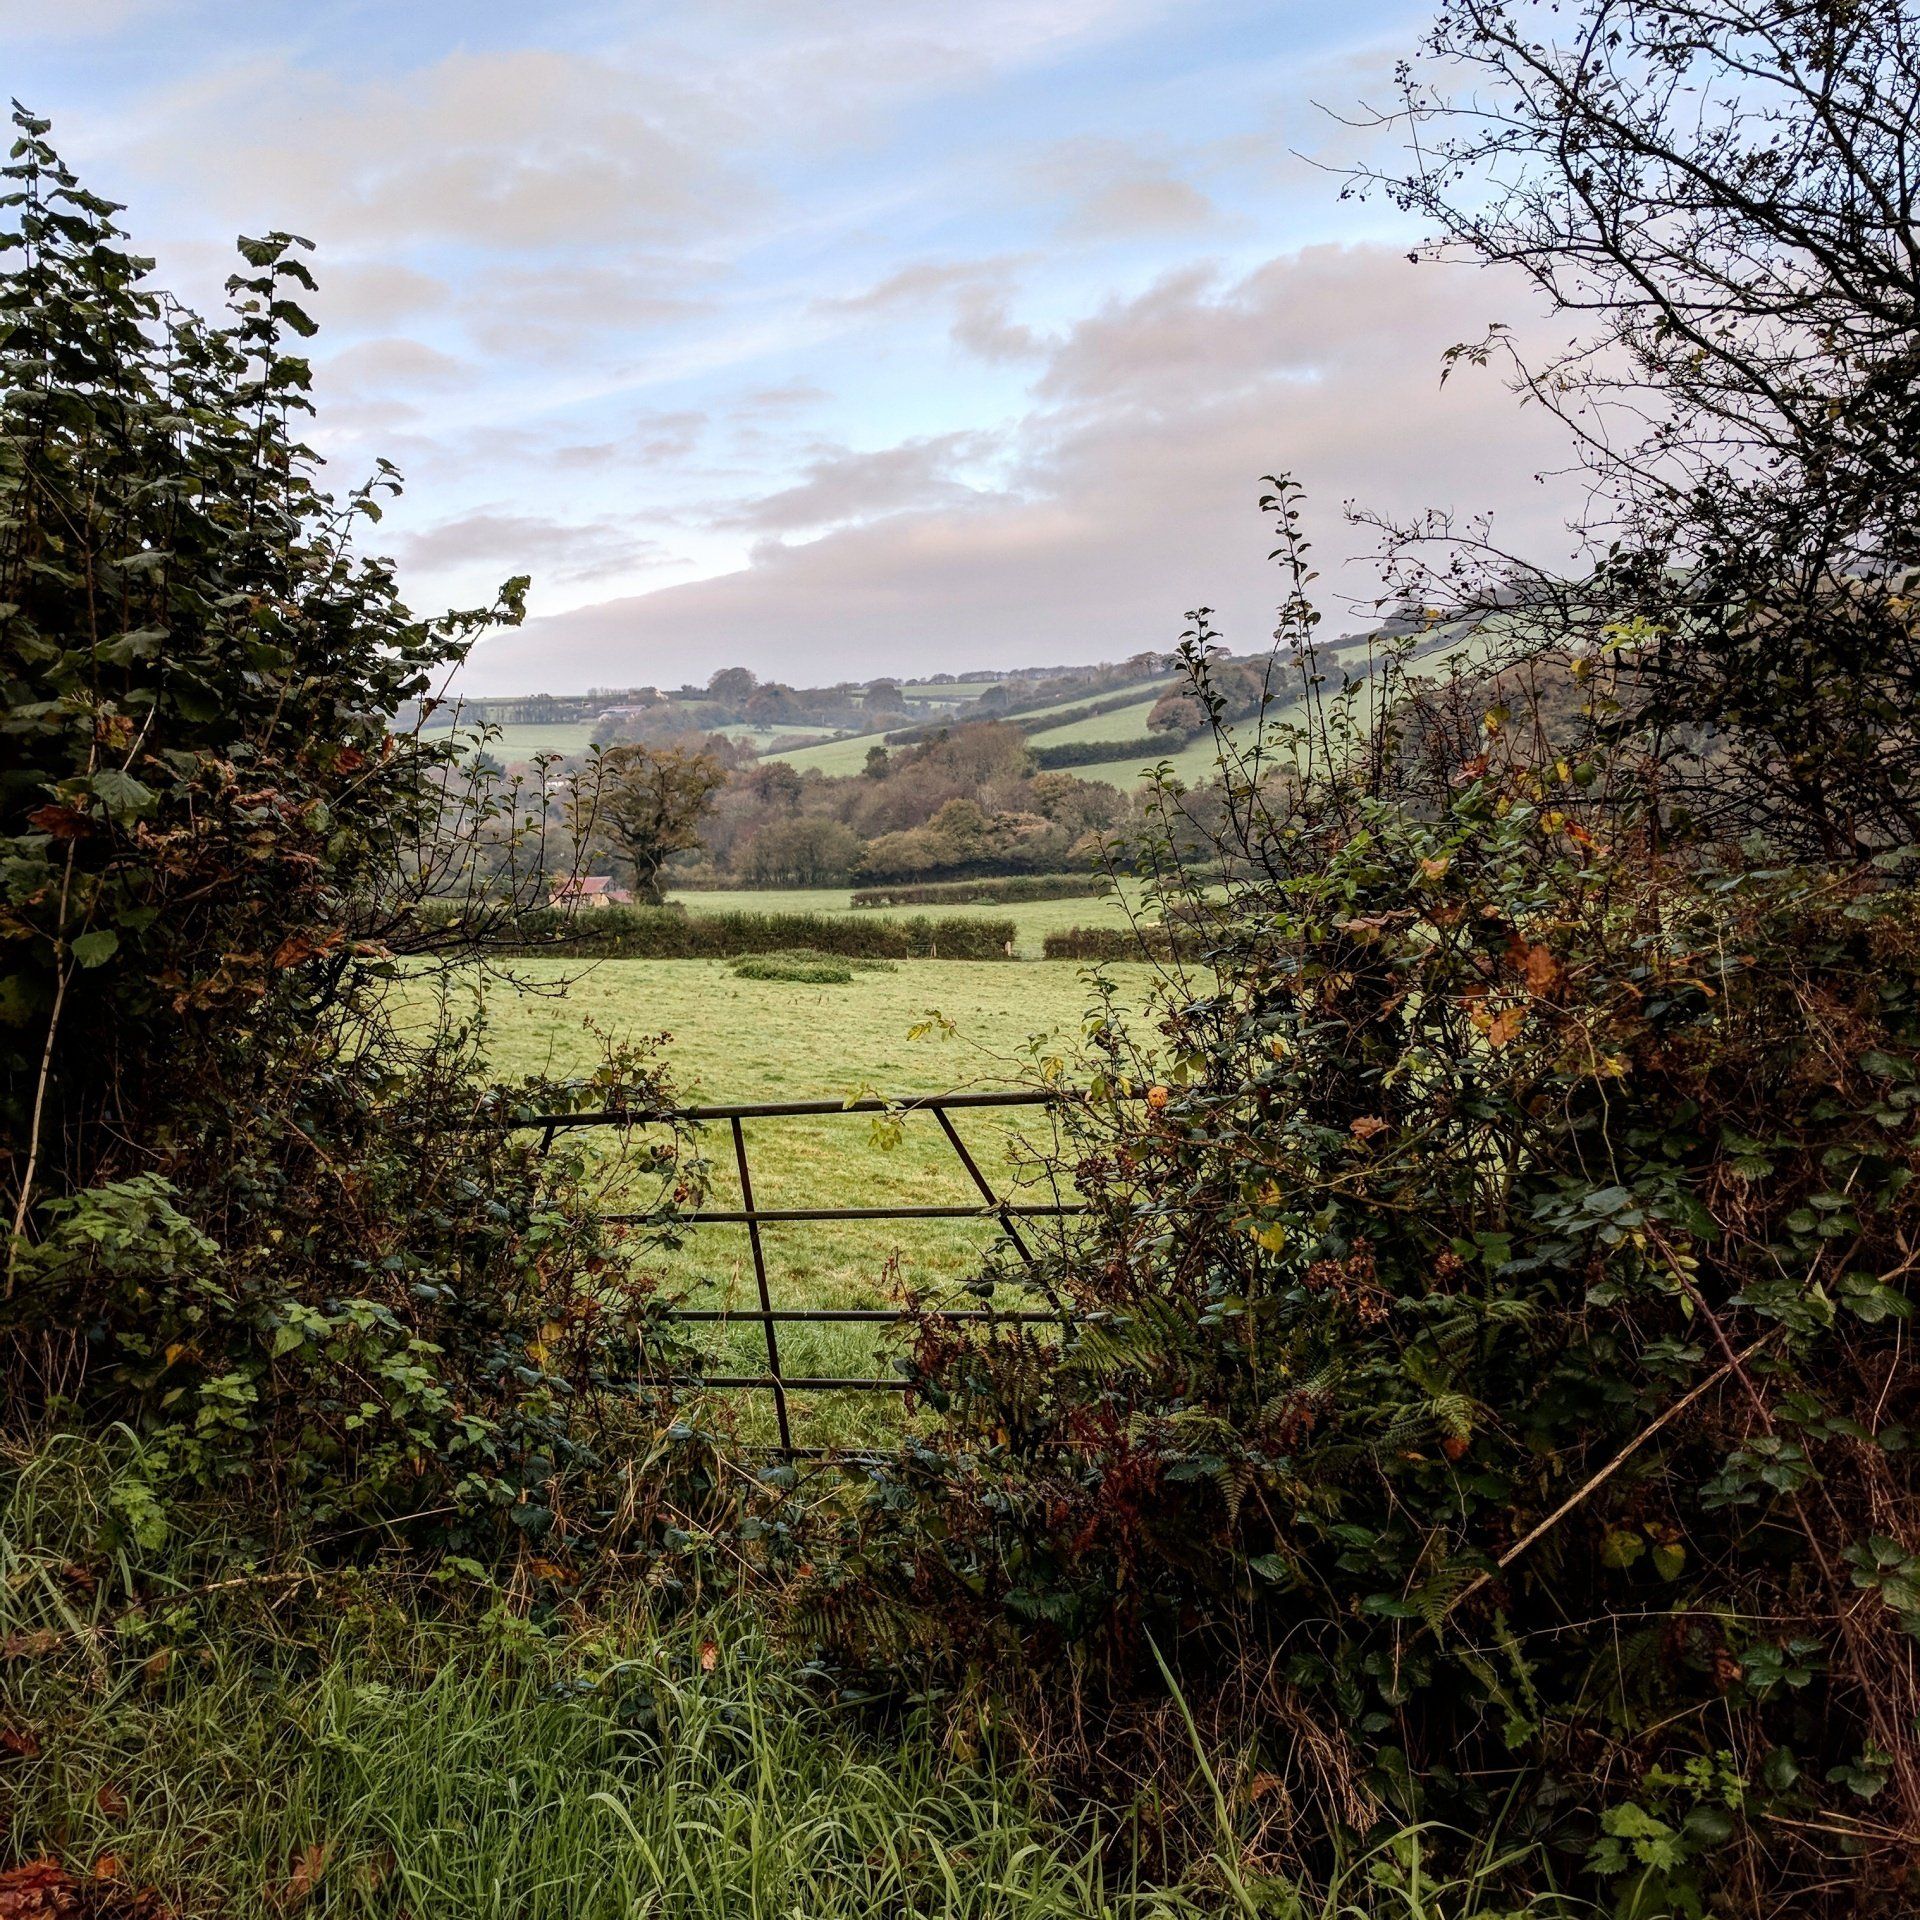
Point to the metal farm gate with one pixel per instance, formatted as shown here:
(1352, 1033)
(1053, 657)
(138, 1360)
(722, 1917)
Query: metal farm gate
(756, 1219)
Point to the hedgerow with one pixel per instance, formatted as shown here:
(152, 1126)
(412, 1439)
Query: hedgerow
(995, 890)
(1148, 748)
(664, 933)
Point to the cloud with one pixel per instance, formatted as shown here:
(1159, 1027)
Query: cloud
(527, 149)
(389, 365)
(71, 19)
(1132, 492)
(843, 486)
(1116, 190)
(508, 542)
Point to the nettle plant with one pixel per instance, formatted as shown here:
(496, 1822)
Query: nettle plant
(1486, 1385)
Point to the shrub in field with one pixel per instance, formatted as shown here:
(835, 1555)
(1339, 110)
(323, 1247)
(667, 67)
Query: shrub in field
(1003, 890)
(815, 968)
(666, 933)
(1519, 1218)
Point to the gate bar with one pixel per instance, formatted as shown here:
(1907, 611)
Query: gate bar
(777, 1109)
(746, 1216)
(760, 1277)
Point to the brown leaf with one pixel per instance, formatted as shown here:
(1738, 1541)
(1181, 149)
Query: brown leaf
(40, 1890)
(1367, 1126)
(21, 1740)
(305, 1877)
(107, 1867)
(62, 823)
(111, 1801)
(709, 1656)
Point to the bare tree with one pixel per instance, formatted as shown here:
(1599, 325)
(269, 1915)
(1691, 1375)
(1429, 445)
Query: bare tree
(1724, 191)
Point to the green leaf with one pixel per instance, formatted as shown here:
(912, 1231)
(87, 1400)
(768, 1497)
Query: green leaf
(95, 949)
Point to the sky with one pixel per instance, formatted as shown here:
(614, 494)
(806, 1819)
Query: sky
(832, 338)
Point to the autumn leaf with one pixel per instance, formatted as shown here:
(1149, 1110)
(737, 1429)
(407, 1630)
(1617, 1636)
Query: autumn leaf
(1367, 1126)
(111, 1801)
(709, 1656)
(305, 1877)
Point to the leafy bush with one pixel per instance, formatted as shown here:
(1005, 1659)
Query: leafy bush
(1486, 1387)
(816, 968)
(994, 890)
(299, 1257)
(665, 933)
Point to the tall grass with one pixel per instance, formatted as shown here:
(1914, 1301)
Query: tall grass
(259, 1743)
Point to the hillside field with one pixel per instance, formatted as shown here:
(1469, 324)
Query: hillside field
(739, 1040)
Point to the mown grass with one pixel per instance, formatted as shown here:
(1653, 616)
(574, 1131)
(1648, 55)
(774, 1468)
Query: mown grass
(358, 1743)
(929, 1026)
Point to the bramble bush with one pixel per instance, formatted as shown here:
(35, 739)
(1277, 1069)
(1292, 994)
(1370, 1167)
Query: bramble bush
(1486, 1389)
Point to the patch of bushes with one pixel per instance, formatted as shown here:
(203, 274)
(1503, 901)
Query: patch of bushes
(662, 933)
(993, 890)
(812, 967)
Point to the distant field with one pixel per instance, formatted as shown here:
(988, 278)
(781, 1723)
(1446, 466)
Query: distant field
(1123, 723)
(850, 755)
(1033, 919)
(738, 1040)
(516, 743)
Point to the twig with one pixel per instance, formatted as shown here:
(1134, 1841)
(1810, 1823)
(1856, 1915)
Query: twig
(1612, 1467)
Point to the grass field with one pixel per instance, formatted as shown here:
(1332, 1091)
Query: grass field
(737, 1041)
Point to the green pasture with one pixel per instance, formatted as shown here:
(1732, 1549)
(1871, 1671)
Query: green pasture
(928, 1026)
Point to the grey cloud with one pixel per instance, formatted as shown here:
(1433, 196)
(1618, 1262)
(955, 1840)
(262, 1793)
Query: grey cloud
(512, 542)
(1134, 497)
(527, 149)
(374, 293)
(393, 363)
(1115, 190)
(843, 485)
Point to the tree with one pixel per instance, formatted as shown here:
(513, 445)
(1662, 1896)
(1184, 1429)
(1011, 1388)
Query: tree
(732, 685)
(648, 802)
(1724, 191)
(802, 851)
(203, 814)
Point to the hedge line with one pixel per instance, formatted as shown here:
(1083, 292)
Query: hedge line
(1118, 943)
(1151, 747)
(993, 890)
(662, 933)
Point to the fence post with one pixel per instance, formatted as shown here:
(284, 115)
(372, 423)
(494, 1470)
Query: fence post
(760, 1280)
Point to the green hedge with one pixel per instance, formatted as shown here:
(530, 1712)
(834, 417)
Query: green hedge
(994, 890)
(664, 933)
(1117, 943)
(1151, 747)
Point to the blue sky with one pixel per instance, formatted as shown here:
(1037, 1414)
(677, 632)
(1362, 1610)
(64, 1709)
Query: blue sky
(828, 338)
